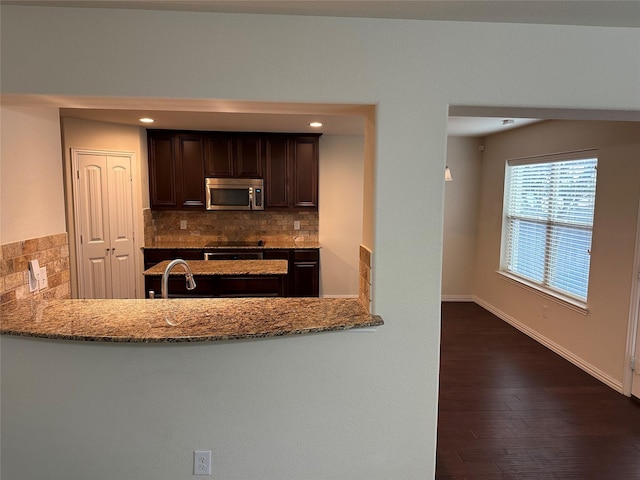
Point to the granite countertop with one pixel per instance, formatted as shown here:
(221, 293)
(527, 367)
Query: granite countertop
(205, 244)
(225, 267)
(181, 320)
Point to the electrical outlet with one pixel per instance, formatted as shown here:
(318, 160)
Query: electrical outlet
(183, 224)
(202, 462)
(296, 224)
(43, 282)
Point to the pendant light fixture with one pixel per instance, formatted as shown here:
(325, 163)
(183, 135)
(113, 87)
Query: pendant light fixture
(447, 174)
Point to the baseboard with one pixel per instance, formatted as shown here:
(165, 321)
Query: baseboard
(551, 345)
(457, 298)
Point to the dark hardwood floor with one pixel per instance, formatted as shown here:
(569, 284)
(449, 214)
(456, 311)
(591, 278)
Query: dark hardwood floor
(512, 409)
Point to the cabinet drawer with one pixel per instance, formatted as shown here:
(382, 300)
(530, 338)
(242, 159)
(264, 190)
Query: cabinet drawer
(305, 255)
(250, 286)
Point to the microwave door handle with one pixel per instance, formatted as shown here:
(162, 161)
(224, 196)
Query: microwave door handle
(250, 198)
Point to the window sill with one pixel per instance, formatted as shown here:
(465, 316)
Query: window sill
(572, 303)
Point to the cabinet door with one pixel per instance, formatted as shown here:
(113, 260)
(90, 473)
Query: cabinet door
(276, 172)
(104, 225)
(191, 162)
(305, 172)
(304, 270)
(219, 158)
(248, 161)
(162, 172)
(305, 279)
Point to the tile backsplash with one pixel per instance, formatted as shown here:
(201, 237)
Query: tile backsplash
(365, 278)
(51, 251)
(164, 226)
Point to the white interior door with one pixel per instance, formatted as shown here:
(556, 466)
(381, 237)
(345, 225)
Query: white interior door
(121, 227)
(104, 225)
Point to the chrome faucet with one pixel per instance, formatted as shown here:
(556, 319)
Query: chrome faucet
(191, 283)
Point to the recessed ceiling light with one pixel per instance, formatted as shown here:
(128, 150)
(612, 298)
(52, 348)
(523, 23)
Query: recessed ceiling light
(315, 124)
(147, 120)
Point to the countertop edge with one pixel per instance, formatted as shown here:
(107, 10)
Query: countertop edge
(376, 322)
(266, 246)
(175, 321)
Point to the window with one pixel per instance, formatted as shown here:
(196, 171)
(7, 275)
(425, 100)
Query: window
(549, 203)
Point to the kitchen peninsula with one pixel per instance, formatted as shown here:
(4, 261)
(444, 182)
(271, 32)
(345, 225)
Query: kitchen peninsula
(224, 278)
(301, 261)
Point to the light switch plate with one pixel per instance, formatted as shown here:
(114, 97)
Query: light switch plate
(43, 282)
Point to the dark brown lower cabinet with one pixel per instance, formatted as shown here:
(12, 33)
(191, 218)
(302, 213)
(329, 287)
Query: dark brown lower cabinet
(304, 273)
(220, 286)
(251, 286)
(302, 280)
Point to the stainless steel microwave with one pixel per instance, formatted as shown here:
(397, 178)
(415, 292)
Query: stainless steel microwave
(234, 193)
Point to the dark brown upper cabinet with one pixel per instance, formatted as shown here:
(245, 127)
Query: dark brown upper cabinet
(277, 172)
(162, 171)
(237, 156)
(176, 173)
(305, 172)
(219, 162)
(191, 152)
(291, 172)
(179, 162)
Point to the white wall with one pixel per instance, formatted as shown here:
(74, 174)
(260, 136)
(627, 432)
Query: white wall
(461, 207)
(85, 134)
(31, 187)
(340, 214)
(595, 341)
(335, 405)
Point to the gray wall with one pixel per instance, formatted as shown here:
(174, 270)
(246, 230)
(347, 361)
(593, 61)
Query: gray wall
(336, 405)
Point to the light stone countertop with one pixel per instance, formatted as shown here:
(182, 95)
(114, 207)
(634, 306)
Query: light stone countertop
(208, 245)
(181, 320)
(225, 267)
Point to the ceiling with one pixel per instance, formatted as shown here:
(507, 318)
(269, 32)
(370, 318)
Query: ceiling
(332, 124)
(607, 13)
(276, 122)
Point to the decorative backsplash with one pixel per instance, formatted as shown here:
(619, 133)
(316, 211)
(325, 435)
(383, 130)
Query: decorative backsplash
(51, 251)
(364, 293)
(223, 226)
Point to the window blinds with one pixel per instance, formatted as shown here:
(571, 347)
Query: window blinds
(549, 220)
